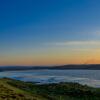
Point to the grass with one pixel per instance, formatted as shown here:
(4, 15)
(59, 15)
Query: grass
(9, 92)
(11, 89)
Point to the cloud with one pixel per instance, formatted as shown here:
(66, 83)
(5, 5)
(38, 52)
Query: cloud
(68, 43)
(97, 33)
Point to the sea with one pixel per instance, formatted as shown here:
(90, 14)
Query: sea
(85, 77)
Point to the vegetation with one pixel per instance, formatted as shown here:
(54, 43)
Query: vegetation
(18, 90)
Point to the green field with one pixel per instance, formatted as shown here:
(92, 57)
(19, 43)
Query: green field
(11, 89)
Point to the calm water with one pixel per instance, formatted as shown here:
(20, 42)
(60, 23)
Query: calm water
(89, 77)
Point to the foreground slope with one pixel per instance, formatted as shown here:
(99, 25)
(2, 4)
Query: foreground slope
(10, 92)
(18, 90)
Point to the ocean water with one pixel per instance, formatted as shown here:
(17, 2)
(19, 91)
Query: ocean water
(88, 77)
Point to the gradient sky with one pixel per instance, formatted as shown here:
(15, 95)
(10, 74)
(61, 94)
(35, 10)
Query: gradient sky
(49, 32)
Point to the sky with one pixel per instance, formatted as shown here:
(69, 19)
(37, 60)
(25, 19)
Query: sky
(49, 32)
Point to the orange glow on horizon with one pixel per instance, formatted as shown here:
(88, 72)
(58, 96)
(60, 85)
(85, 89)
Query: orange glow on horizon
(60, 57)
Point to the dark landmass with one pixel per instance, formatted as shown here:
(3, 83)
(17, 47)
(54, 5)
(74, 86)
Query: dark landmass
(82, 66)
(61, 67)
(11, 89)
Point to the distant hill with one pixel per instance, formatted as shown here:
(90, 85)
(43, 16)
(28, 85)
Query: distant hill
(74, 67)
(82, 66)
(11, 89)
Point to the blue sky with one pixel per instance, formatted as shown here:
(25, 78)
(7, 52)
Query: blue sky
(40, 27)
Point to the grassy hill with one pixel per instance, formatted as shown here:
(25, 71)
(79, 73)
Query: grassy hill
(18, 90)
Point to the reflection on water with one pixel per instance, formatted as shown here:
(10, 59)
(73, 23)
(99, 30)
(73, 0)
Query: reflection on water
(89, 77)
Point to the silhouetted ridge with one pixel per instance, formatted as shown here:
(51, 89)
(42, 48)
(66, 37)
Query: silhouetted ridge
(74, 67)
